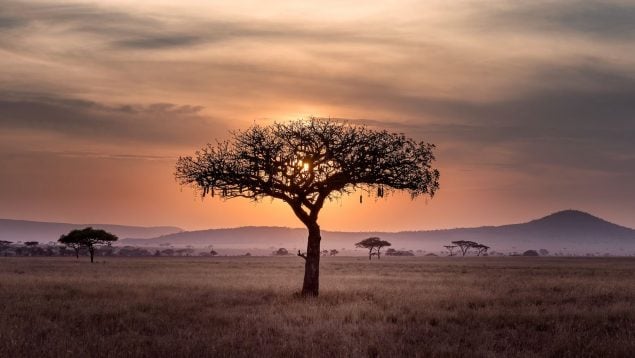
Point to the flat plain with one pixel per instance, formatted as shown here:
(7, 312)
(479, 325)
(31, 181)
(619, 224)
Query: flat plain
(247, 306)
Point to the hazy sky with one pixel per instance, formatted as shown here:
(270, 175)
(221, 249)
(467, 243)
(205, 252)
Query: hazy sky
(531, 104)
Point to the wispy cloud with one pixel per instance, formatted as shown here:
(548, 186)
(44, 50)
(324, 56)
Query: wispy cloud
(608, 20)
(155, 123)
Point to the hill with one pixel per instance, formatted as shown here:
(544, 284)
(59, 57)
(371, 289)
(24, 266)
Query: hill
(568, 232)
(23, 230)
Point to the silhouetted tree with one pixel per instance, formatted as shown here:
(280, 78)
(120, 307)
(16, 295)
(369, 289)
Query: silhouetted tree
(480, 249)
(374, 246)
(333, 252)
(281, 252)
(393, 252)
(530, 253)
(543, 252)
(89, 238)
(325, 252)
(186, 251)
(213, 253)
(31, 243)
(464, 246)
(304, 163)
(72, 242)
(4, 245)
(450, 249)
(132, 251)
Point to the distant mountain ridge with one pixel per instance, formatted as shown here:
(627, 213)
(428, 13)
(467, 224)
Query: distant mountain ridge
(569, 231)
(25, 230)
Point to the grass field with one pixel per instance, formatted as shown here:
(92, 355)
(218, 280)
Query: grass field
(224, 306)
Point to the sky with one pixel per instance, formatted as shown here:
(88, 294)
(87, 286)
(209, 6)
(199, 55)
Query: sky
(531, 104)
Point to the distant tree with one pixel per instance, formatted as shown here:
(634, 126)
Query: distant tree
(184, 252)
(157, 253)
(306, 162)
(167, 252)
(72, 242)
(543, 252)
(480, 249)
(374, 246)
(530, 253)
(325, 252)
(333, 252)
(4, 245)
(106, 250)
(281, 252)
(450, 249)
(393, 252)
(213, 253)
(89, 238)
(132, 251)
(248, 254)
(31, 243)
(464, 245)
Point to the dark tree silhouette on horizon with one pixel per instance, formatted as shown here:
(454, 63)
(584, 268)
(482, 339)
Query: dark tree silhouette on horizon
(89, 238)
(450, 249)
(306, 162)
(481, 249)
(374, 246)
(464, 245)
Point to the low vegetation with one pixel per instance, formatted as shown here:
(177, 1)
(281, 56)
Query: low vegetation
(247, 306)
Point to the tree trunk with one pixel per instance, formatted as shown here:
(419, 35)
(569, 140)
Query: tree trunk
(92, 254)
(77, 253)
(311, 285)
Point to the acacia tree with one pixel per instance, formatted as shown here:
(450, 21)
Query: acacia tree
(306, 162)
(71, 241)
(481, 249)
(373, 244)
(89, 238)
(450, 249)
(464, 245)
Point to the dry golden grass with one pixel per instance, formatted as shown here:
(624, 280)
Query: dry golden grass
(429, 307)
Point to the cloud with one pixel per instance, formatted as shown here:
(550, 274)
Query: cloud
(125, 30)
(165, 123)
(159, 42)
(606, 19)
(583, 119)
(10, 22)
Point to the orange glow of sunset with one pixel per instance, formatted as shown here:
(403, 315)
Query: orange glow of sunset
(530, 113)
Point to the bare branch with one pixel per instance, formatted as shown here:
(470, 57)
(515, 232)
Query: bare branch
(306, 162)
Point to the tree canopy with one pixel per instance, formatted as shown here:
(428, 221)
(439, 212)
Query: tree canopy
(306, 162)
(374, 246)
(88, 238)
(465, 246)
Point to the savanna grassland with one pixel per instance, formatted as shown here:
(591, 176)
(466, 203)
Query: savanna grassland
(224, 306)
